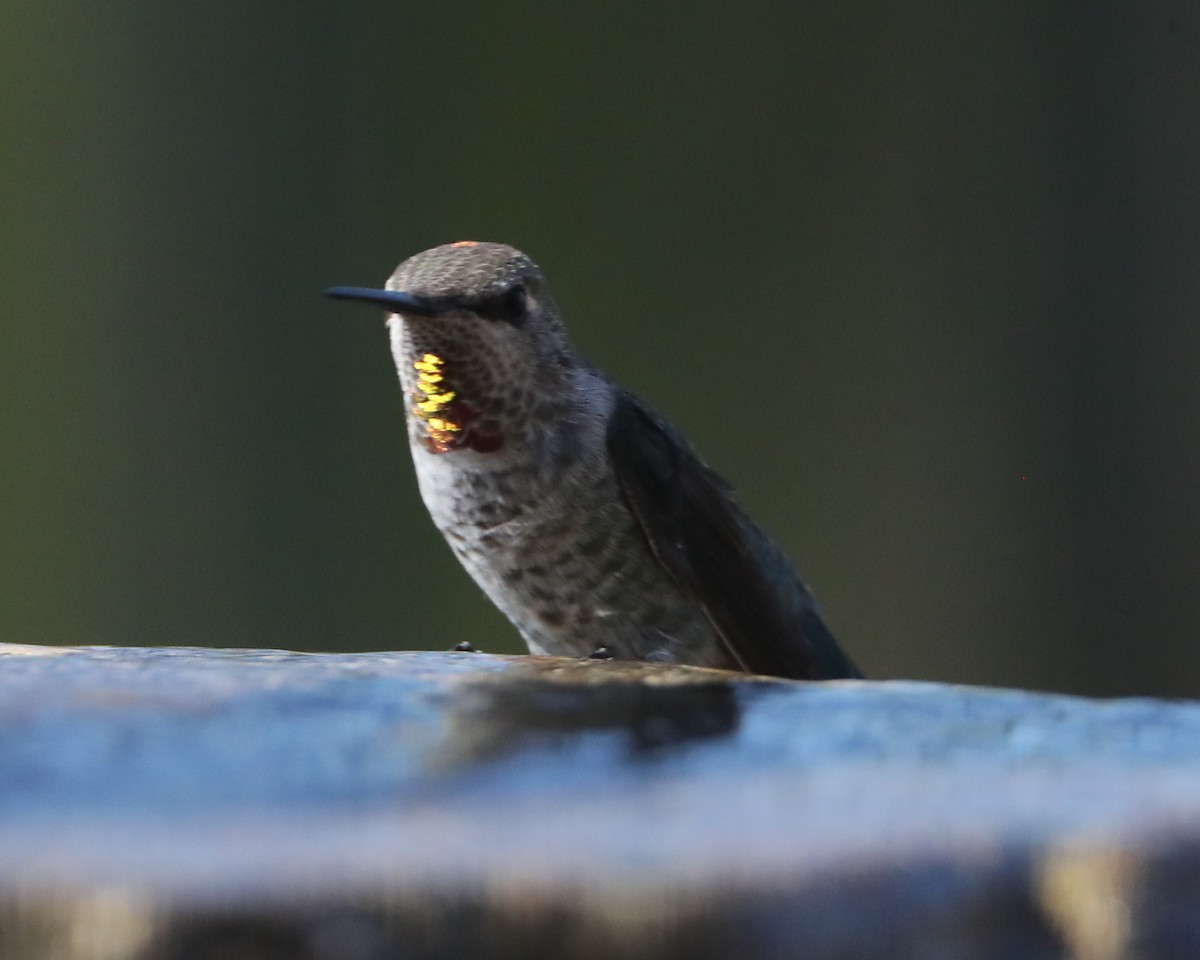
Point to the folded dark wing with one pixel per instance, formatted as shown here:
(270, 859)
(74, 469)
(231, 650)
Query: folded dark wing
(742, 580)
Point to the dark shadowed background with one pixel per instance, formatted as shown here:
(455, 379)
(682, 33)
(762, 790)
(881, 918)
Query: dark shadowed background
(921, 279)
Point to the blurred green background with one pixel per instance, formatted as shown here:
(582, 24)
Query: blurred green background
(922, 280)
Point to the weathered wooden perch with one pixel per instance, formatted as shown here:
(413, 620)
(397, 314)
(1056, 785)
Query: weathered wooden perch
(188, 804)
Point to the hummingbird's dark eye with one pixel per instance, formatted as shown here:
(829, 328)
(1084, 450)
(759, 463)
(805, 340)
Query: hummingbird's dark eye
(515, 303)
(510, 306)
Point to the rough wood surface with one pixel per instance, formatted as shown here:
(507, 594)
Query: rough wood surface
(188, 803)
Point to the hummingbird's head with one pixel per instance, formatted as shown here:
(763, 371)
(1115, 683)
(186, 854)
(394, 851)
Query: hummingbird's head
(477, 343)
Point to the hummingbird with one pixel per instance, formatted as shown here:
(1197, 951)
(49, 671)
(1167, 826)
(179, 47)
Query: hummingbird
(583, 514)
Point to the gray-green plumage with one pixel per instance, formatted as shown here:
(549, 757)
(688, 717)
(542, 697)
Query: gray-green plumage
(583, 515)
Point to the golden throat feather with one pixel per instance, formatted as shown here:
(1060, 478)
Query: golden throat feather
(432, 401)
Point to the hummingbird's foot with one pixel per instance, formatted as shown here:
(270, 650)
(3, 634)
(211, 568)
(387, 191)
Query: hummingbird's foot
(466, 646)
(600, 653)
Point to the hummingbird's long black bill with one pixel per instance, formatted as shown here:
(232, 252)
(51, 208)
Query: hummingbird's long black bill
(397, 301)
